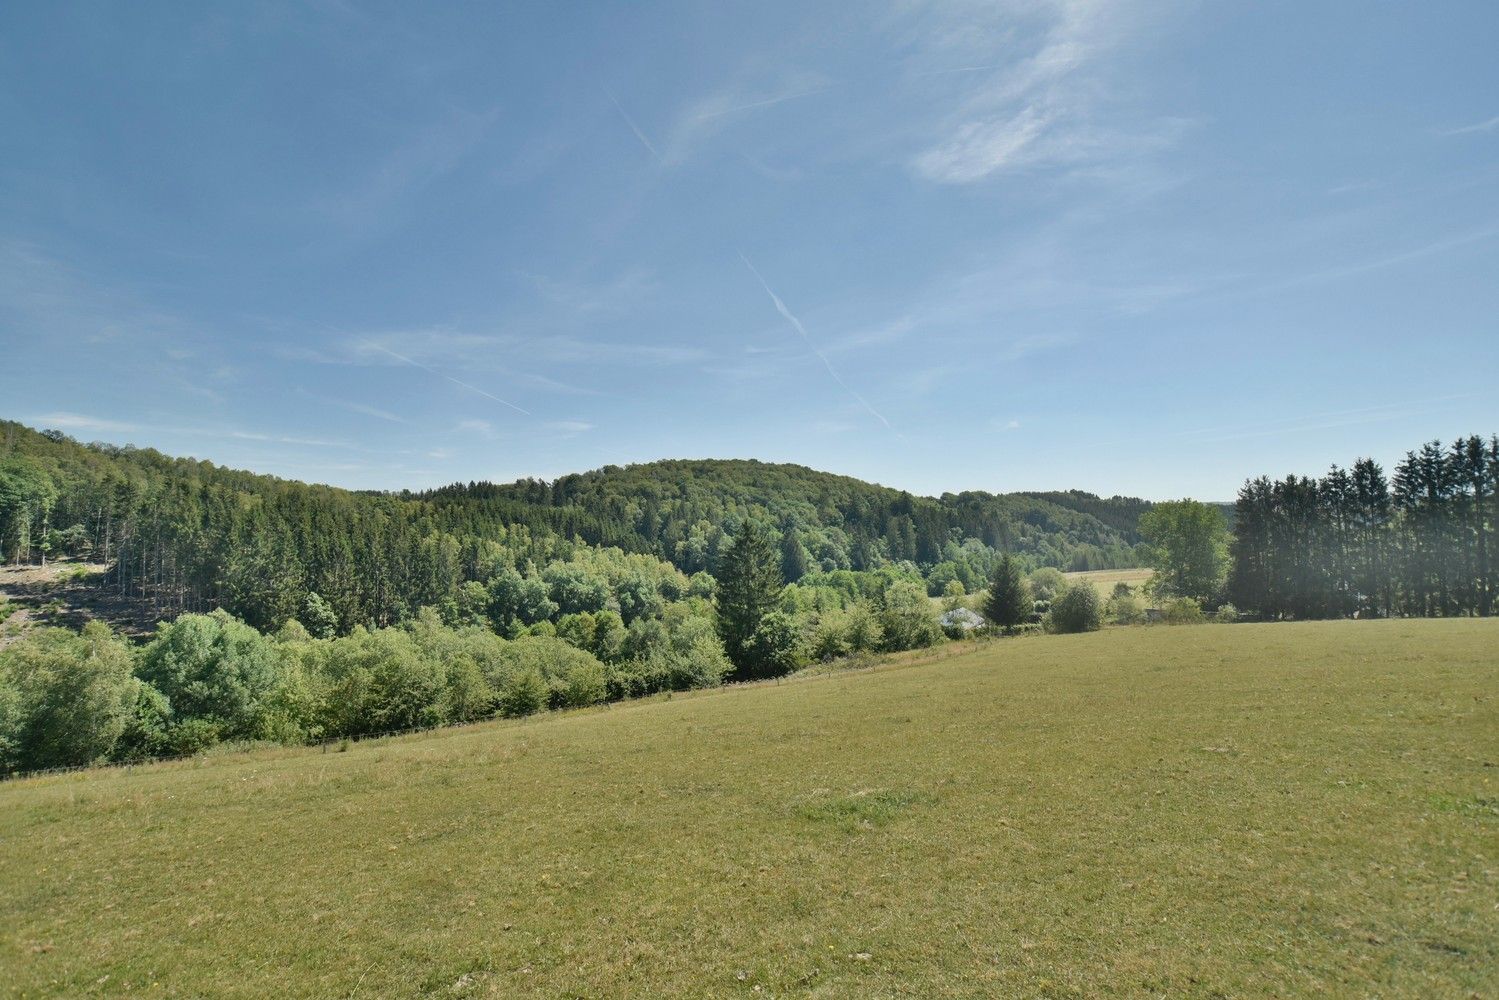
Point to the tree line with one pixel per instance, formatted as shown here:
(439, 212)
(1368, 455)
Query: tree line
(1356, 543)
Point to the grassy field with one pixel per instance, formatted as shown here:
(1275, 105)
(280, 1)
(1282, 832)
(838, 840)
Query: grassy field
(1265, 810)
(1103, 580)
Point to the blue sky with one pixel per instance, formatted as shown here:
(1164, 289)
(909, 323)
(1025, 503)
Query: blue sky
(1138, 247)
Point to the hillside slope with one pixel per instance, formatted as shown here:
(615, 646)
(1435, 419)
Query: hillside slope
(1287, 810)
(681, 510)
(188, 535)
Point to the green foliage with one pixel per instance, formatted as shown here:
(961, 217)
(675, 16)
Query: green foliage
(1182, 611)
(846, 632)
(777, 647)
(749, 588)
(65, 698)
(574, 589)
(318, 616)
(147, 728)
(1009, 601)
(1188, 549)
(526, 694)
(793, 557)
(27, 496)
(1075, 609)
(216, 668)
(906, 618)
(517, 602)
(1046, 583)
(1125, 607)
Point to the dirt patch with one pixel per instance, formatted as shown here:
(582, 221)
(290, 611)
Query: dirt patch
(69, 594)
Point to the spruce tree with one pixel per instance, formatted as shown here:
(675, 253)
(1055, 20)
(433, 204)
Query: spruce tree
(1009, 601)
(793, 557)
(749, 588)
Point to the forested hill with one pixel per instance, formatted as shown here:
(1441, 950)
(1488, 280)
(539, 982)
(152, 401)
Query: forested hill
(685, 510)
(188, 535)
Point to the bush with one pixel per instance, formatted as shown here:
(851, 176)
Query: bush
(1183, 611)
(1125, 608)
(585, 685)
(777, 645)
(907, 619)
(526, 694)
(1075, 610)
(1047, 584)
(1226, 614)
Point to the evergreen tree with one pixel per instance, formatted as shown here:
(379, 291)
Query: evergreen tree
(793, 557)
(1009, 601)
(749, 588)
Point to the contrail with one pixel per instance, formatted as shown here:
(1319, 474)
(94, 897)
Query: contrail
(765, 103)
(797, 325)
(434, 371)
(633, 127)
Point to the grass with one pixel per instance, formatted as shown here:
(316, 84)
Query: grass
(1248, 810)
(1103, 580)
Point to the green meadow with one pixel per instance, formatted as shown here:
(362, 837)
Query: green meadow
(1224, 810)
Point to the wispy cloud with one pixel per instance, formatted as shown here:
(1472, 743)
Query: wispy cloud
(707, 115)
(490, 352)
(1484, 126)
(284, 439)
(611, 295)
(457, 382)
(1041, 106)
(66, 421)
(1326, 420)
(415, 161)
(796, 324)
(363, 409)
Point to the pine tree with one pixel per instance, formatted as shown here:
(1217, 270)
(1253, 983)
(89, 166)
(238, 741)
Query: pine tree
(749, 588)
(1009, 601)
(793, 557)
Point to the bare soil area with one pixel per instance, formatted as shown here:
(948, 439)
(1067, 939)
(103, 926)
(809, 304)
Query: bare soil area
(67, 593)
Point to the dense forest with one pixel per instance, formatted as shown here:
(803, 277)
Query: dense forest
(1421, 543)
(684, 512)
(191, 536)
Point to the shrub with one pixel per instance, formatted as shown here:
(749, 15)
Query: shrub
(777, 645)
(468, 696)
(585, 685)
(1075, 610)
(526, 694)
(1125, 608)
(1182, 611)
(907, 619)
(145, 733)
(1226, 614)
(1047, 583)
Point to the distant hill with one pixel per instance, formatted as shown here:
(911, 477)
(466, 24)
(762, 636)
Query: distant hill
(190, 535)
(682, 510)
